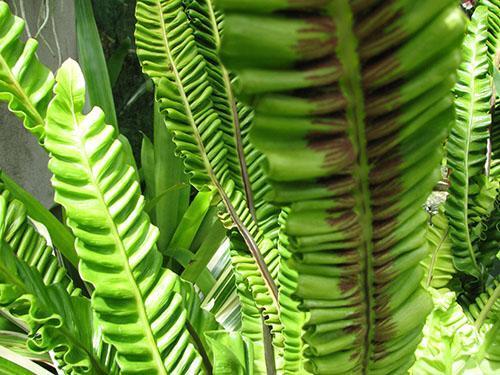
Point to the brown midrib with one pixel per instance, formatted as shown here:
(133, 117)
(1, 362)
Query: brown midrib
(351, 85)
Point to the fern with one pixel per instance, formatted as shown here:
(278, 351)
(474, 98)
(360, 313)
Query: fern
(137, 302)
(350, 125)
(484, 313)
(439, 263)
(184, 95)
(35, 290)
(25, 84)
(450, 342)
(312, 131)
(194, 94)
(467, 143)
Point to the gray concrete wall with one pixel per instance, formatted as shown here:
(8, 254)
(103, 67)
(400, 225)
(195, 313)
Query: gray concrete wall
(20, 155)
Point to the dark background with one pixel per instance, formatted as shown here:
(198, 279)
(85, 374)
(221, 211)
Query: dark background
(115, 20)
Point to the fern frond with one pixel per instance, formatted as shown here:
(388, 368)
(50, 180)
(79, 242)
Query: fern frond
(25, 84)
(350, 115)
(439, 264)
(187, 87)
(486, 307)
(35, 290)
(466, 147)
(450, 342)
(29, 246)
(484, 313)
(137, 302)
(493, 41)
(244, 160)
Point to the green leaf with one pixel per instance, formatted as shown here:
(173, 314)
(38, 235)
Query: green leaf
(56, 320)
(190, 222)
(449, 340)
(439, 264)
(147, 169)
(59, 234)
(232, 353)
(486, 307)
(350, 113)
(168, 172)
(17, 342)
(40, 293)
(91, 57)
(117, 59)
(466, 146)
(203, 125)
(206, 249)
(27, 243)
(13, 363)
(25, 84)
(115, 239)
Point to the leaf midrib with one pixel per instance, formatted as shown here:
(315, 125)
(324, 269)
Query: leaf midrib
(341, 12)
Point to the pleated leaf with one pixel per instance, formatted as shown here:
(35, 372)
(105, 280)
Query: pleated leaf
(484, 313)
(244, 161)
(466, 145)
(36, 291)
(29, 246)
(25, 84)
(450, 342)
(205, 128)
(439, 264)
(352, 102)
(137, 302)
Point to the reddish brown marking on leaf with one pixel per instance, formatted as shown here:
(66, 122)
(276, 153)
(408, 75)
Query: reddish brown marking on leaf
(379, 355)
(386, 329)
(338, 152)
(388, 212)
(355, 357)
(345, 220)
(382, 229)
(383, 148)
(375, 72)
(327, 103)
(330, 76)
(348, 283)
(381, 274)
(382, 306)
(372, 25)
(377, 106)
(342, 203)
(339, 185)
(351, 270)
(382, 127)
(314, 47)
(385, 170)
(383, 195)
(336, 123)
(319, 25)
(353, 329)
